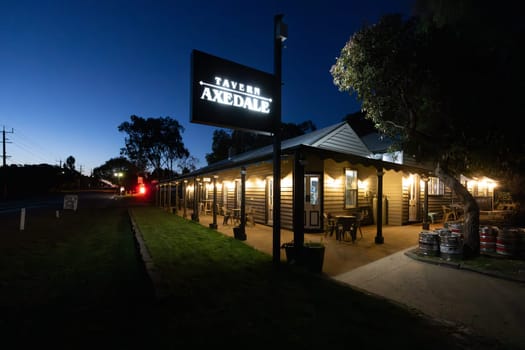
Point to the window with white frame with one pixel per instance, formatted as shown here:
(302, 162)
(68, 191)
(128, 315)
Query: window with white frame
(238, 194)
(435, 186)
(350, 188)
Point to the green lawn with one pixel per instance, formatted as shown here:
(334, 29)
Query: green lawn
(77, 282)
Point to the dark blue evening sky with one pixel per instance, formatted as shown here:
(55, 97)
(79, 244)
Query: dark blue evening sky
(72, 71)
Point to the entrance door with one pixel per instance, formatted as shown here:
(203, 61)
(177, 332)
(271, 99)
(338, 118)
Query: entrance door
(312, 202)
(413, 198)
(269, 200)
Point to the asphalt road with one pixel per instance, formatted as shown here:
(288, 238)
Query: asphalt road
(11, 206)
(56, 201)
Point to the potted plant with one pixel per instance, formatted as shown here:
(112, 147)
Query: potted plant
(239, 233)
(289, 248)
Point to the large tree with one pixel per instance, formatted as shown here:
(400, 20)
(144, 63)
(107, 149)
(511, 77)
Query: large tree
(154, 143)
(446, 88)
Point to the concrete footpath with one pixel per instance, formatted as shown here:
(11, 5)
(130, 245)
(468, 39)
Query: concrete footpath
(476, 302)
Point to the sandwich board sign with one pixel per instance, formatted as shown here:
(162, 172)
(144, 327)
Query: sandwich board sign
(71, 201)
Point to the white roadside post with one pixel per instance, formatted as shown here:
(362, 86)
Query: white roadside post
(22, 219)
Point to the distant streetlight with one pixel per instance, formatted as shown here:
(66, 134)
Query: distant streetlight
(119, 176)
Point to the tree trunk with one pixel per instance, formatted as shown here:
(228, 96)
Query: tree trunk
(470, 210)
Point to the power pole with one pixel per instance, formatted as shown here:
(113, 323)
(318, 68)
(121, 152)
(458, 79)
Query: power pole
(4, 155)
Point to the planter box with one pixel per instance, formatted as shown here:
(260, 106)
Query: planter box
(239, 234)
(314, 258)
(291, 255)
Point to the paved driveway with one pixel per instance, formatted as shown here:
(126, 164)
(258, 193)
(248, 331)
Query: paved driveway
(484, 304)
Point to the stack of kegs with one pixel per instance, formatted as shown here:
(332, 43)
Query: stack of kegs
(450, 244)
(429, 243)
(441, 242)
(507, 242)
(456, 227)
(487, 239)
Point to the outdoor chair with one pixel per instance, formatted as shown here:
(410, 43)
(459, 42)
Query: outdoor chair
(250, 216)
(329, 224)
(346, 225)
(448, 214)
(227, 215)
(207, 207)
(359, 217)
(433, 216)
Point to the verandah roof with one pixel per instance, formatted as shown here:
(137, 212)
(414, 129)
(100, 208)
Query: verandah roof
(320, 142)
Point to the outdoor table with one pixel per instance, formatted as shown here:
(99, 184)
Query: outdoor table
(206, 206)
(493, 216)
(345, 223)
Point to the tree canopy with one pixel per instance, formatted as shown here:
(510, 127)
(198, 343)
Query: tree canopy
(70, 163)
(445, 93)
(116, 165)
(445, 84)
(154, 143)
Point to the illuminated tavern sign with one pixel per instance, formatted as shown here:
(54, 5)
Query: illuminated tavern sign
(228, 94)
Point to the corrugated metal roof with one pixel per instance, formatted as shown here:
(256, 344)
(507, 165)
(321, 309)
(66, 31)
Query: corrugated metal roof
(264, 152)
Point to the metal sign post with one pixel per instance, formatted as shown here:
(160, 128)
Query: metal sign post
(280, 34)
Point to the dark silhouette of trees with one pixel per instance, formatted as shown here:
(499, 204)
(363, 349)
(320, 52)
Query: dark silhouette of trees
(222, 141)
(108, 172)
(360, 124)
(226, 143)
(290, 130)
(187, 165)
(446, 85)
(154, 144)
(33, 180)
(70, 163)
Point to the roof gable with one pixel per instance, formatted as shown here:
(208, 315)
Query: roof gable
(343, 139)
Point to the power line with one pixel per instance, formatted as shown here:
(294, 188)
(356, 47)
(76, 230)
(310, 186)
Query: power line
(30, 146)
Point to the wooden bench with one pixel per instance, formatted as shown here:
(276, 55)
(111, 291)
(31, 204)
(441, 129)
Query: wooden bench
(433, 216)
